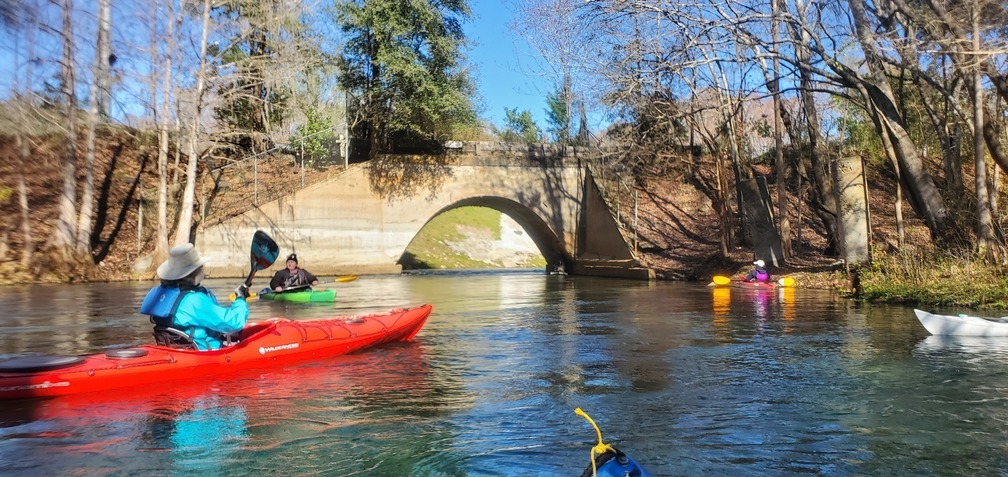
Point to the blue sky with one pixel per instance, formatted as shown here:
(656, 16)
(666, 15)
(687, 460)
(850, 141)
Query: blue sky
(504, 64)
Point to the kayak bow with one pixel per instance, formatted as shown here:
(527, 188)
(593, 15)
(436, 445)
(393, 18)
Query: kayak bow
(962, 325)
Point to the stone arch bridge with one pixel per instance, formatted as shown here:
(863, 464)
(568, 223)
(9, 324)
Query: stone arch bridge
(362, 220)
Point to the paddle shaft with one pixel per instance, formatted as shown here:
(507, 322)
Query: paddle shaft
(343, 279)
(248, 280)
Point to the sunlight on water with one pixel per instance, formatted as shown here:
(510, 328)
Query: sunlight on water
(688, 380)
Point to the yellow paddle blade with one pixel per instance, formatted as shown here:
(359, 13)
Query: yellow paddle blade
(721, 280)
(252, 295)
(786, 282)
(345, 278)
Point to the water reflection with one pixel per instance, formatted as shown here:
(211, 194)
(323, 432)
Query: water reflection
(990, 348)
(759, 307)
(231, 425)
(689, 380)
(205, 436)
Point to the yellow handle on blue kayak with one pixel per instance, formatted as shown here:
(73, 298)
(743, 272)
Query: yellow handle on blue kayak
(601, 447)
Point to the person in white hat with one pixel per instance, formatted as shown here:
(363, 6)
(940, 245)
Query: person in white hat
(180, 302)
(758, 274)
(292, 276)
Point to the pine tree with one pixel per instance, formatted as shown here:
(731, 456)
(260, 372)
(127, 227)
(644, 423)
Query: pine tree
(403, 71)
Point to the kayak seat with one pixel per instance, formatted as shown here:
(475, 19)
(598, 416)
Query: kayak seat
(173, 338)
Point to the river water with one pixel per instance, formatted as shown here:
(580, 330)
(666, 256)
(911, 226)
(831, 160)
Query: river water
(686, 379)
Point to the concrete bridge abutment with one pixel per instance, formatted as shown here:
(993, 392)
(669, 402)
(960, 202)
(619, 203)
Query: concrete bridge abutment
(362, 220)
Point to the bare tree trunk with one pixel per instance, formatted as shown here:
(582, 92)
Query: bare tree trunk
(994, 144)
(722, 207)
(890, 151)
(24, 20)
(184, 231)
(178, 146)
(924, 196)
(950, 133)
(784, 223)
(986, 240)
(26, 231)
(98, 87)
(821, 192)
(742, 174)
(173, 187)
(161, 239)
(63, 234)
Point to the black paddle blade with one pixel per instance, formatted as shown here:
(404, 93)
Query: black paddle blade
(264, 251)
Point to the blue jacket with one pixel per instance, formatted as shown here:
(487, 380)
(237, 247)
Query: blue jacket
(195, 310)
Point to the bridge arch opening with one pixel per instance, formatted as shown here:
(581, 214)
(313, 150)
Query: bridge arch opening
(535, 228)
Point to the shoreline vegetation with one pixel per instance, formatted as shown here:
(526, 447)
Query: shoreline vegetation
(913, 279)
(935, 279)
(674, 245)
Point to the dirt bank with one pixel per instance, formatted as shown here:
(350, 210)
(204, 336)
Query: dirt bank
(676, 233)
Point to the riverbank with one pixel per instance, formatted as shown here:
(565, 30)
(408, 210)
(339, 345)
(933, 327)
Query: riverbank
(677, 241)
(673, 233)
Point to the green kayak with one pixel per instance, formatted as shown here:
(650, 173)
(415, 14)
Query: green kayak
(302, 296)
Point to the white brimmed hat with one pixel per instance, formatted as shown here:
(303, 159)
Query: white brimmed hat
(182, 260)
(759, 263)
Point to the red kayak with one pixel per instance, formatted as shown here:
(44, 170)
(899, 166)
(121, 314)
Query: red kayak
(268, 344)
(755, 285)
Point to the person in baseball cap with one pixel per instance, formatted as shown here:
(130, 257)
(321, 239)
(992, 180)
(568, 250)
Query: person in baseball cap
(758, 274)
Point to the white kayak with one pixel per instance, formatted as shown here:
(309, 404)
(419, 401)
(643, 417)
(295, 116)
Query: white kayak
(962, 325)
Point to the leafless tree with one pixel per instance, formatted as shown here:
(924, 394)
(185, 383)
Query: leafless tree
(559, 36)
(99, 85)
(184, 230)
(19, 17)
(63, 236)
(164, 113)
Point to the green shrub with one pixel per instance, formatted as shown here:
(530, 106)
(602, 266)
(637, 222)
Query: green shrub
(935, 278)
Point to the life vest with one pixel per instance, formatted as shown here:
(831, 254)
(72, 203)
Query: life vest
(296, 279)
(162, 302)
(762, 275)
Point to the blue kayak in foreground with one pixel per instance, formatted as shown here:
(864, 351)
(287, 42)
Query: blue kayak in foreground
(608, 461)
(614, 463)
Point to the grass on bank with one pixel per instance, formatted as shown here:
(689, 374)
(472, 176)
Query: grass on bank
(935, 278)
(431, 248)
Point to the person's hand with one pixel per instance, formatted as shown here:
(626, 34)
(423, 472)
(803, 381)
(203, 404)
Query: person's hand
(314, 282)
(242, 291)
(278, 289)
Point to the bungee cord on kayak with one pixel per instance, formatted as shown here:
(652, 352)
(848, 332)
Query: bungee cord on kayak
(608, 461)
